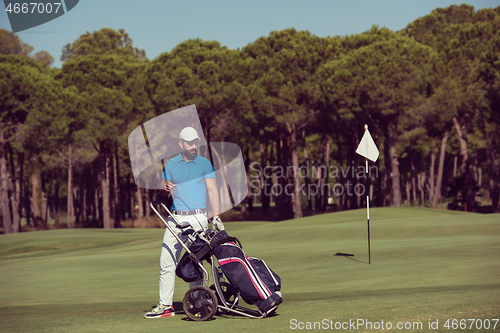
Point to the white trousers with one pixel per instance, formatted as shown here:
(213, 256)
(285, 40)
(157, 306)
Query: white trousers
(170, 252)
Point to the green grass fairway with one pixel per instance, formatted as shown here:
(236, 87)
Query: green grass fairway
(427, 266)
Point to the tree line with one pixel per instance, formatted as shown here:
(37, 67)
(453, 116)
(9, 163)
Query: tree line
(295, 103)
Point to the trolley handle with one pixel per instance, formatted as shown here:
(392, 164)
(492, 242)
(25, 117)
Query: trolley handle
(178, 225)
(152, 205)
(156, 202)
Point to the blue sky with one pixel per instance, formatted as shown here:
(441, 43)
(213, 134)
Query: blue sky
(157, 26)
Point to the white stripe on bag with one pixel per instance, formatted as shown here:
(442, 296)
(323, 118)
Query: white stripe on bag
(261, 285)
(270, 273)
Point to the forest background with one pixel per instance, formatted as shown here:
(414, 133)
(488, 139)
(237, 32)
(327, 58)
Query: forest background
(430, 95)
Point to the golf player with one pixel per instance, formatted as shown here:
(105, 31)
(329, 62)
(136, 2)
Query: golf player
(189, 178)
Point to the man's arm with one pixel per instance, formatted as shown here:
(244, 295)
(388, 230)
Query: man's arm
(213, 195)
(169, 186)
(167, 177)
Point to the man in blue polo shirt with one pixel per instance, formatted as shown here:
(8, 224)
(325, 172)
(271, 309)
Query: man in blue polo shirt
(195, 176)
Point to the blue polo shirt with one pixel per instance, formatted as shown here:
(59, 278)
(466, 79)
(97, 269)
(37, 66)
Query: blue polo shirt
(190, 176)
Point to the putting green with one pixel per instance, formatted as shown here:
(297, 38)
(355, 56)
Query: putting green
(428, 266)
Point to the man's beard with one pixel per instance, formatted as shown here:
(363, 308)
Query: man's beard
(192, 152)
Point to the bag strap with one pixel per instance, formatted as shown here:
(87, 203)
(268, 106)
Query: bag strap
(222, 237)
(208, 248)
(225, 240)
(204, 251)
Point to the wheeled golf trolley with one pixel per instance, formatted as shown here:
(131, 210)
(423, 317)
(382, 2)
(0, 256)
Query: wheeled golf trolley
(235, 276)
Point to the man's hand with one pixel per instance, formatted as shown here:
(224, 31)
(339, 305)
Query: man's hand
(169, 186)
(217, 223)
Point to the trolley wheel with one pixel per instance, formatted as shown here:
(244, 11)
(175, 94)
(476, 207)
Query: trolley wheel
(228, 291)
(200, 303)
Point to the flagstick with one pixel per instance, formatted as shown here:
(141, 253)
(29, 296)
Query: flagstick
(368, 221)
(369, 151)
(368, 216)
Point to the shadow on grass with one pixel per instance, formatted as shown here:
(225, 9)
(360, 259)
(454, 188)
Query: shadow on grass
(350, 257)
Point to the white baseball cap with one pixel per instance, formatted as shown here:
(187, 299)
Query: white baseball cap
(188, 134)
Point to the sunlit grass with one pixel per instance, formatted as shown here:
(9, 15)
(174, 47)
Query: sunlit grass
(427, 265)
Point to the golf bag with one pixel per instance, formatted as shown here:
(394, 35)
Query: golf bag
(256, 282)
